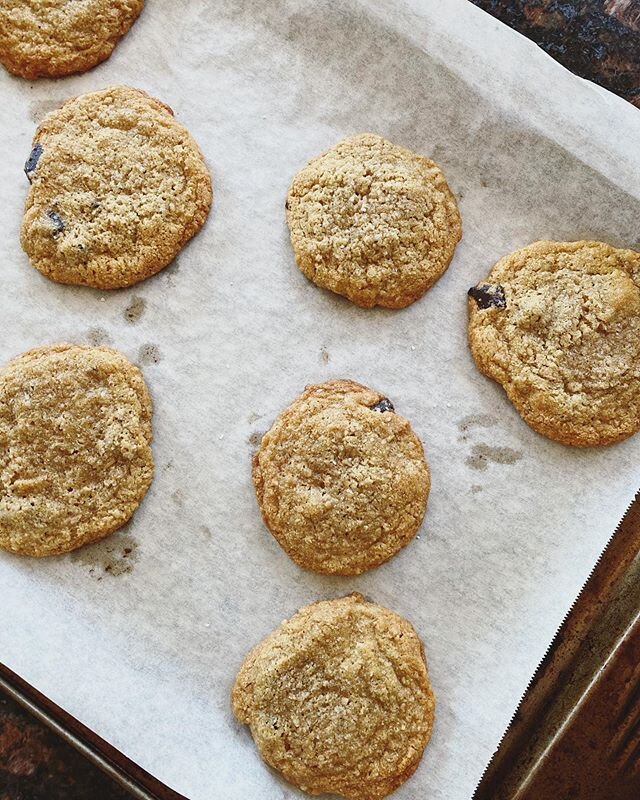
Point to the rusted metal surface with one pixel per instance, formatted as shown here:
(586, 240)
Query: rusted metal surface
(576, 733)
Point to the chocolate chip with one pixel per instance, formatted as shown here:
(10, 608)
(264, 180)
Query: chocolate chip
(488, 295)
(286, 205)
(383, 405)
(32, 162)
(58, 224)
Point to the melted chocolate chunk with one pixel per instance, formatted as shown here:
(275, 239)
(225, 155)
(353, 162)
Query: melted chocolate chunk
(32, 162)
(58, 224)
(383, 405)
(286, 205)
(488, 295)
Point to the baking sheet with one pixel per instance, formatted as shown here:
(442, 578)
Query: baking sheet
(143, 646)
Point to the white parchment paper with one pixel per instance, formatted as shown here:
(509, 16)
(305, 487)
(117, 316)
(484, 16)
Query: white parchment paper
(140, 636)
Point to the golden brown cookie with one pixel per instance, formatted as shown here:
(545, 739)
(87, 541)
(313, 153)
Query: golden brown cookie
(117, 188)
(338, 699)
(373, 222)
(558, 325)
(75, 460)
(341, 479)
(52, 38)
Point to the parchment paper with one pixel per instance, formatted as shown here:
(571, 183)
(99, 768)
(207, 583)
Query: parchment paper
(143, 646)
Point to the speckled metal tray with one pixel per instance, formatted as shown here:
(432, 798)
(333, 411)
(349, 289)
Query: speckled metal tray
(139, 783)
(576, 732)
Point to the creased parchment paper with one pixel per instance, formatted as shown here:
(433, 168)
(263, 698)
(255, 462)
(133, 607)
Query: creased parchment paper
(140, 636)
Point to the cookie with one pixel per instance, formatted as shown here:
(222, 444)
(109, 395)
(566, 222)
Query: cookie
(117, 188)
(373, 222)
(338, 699)
(57, 37)
(75, 460)
(341, 479)
(558, 325)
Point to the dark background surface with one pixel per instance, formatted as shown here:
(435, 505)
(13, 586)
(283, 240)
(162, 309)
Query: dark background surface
(36, 765)
(597, 39)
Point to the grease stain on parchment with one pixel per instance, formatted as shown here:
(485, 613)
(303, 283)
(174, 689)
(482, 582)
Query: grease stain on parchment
(115, 555)
(134, 310)
(483, 454)
(255, 439)
(98, 336)
(149, 354)
(476, 421)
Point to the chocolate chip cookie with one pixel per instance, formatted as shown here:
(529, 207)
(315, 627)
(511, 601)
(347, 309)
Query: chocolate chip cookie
(341, 479)
(338, 699)
(558, 325)
(373, 221)
(75, 456)
(52, 38)
(117, 188)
